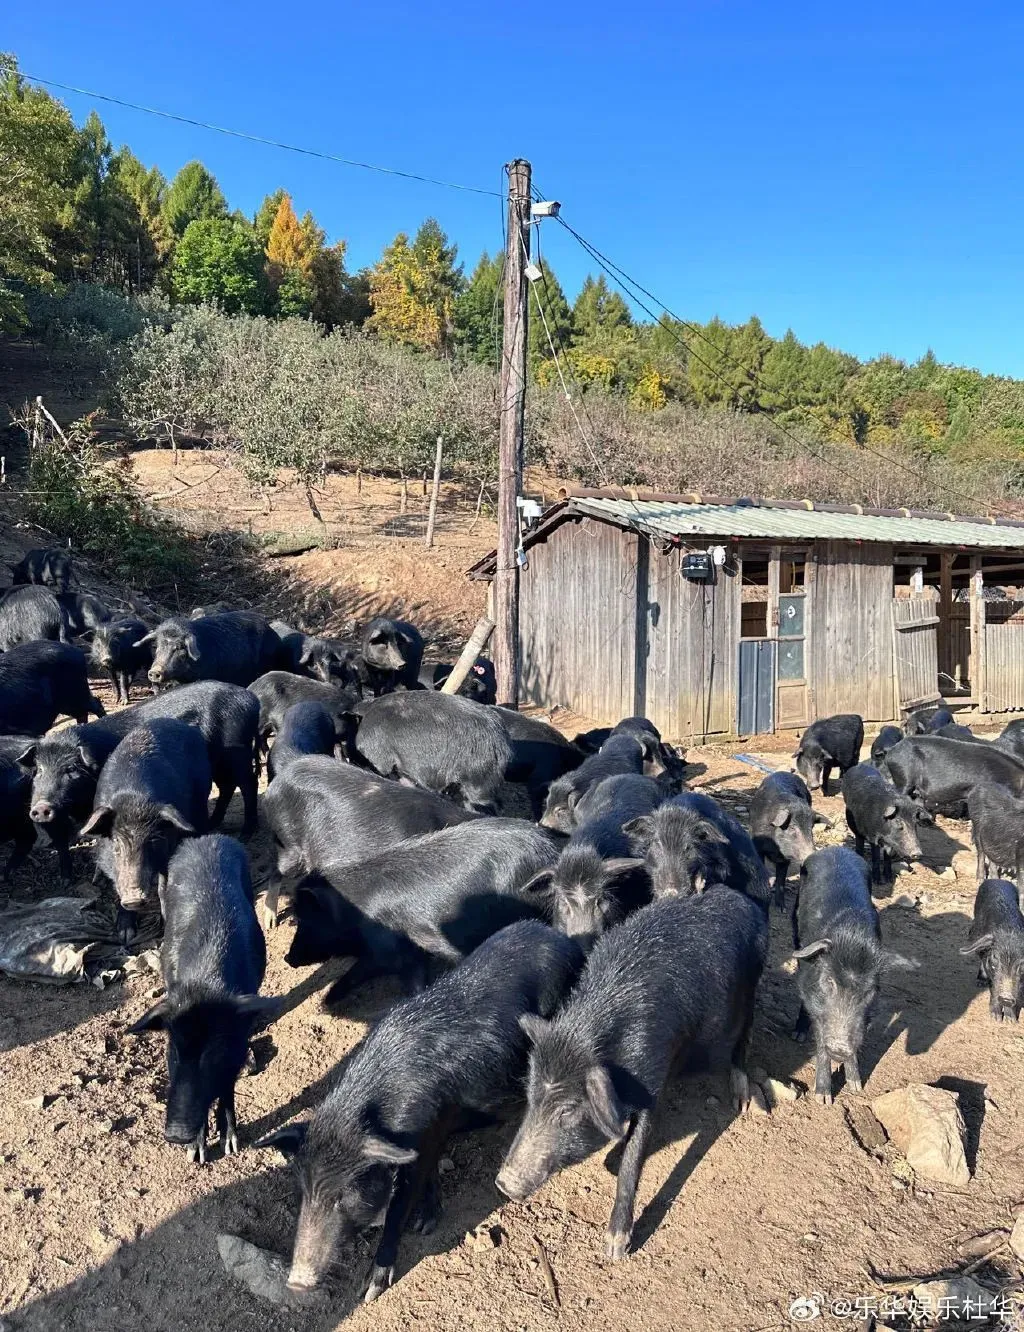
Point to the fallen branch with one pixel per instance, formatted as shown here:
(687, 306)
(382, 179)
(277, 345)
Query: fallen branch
(548, 1272)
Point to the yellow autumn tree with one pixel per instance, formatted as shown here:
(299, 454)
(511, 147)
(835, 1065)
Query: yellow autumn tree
(290, 255)
(413, 289)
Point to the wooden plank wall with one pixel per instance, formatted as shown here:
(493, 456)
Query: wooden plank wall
(915, 623)
(1004, 656)
(693, 635)
(850, 639)
(578, 602)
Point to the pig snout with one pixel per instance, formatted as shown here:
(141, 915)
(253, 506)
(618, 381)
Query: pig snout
(42, 812)
(155, 674)
(514, 1185)
(178, 1131)
(319, 1232)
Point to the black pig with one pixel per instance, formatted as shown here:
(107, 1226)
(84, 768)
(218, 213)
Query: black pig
(997, 825)
(235, 647)
(674, 981)
(390, 656)
(996, 937)
(152, 791)
(691, 841)
(782, 825)
(431, 898)
(116, 650)
(618, 756)
(887, 738)
(840, 961)
(307, 728)
(832, 742)
(213, 959)
(879, 816)
(434, 1063)
(40, 682)
(52, 568)
(28, 614)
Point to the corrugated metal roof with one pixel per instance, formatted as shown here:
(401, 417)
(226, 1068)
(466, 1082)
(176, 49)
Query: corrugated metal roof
(661, 518)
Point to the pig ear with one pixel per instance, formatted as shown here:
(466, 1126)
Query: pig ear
(87, 759)
(605, 1107)
(148, 638)
(168, 814)
(922, 815)
(813, 949)
(890, 810)
(623, 865)
(27, 759)
(798, 755)
(822, 818)
(390, 1153)
(897, 962)
(258, 1005)
(642, 826)
(980, 945)
(540, 883)
(152, 1020)
(782, 818)
(572, 799)
(305, 655)
(287, 1140)
(532, 1027)
(191, 646)
(711, 831)
(99, 821)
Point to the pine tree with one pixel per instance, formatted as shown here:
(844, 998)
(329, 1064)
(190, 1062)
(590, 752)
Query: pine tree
(152, 240)
(192, 194)
(597, 309)
(555, 324)
(478, 312)
(290, 261)
(413, 289)
(265, 215)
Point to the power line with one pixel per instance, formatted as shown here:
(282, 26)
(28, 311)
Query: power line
(258, 138)
(621, 279)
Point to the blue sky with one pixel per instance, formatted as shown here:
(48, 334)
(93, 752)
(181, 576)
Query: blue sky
(854, 172)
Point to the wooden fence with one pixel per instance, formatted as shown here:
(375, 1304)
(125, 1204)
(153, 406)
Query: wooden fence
(1002, 684)
(915, 623)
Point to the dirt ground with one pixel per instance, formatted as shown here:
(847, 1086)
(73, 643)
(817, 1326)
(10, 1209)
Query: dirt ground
(104, 1227)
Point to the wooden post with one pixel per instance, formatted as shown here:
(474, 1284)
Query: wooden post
(510, 445)
(467, 658)
(947, 667)
(978, 681)
(432, 512)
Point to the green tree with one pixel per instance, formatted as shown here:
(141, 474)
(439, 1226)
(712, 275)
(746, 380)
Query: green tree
(597, 309)
(192, 195)
(413, 289)
(783, 374)
(152, 239)
(38, 144)
(265, 215)
(219, 259)
(478, 312)
(550, 317)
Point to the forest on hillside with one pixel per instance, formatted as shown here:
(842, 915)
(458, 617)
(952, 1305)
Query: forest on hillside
(252, 332)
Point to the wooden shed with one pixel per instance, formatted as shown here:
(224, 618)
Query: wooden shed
(718, 617)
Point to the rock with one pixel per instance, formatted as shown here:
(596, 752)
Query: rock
(948, 873)
(926, 1125)
(777, 1091)
(39, 1102)
(965, 864)
(263, 1272)
(905, 902)
(1017, 1237)
(960, 1298)
(484, 1237)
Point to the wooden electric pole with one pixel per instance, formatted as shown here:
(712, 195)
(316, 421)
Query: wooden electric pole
(510, 445)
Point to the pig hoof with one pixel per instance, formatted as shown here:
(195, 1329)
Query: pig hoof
(799, 1036)
(269, 919)
(380, 1279)
(616, 1244)
(197, 1151)
(823, 1098)
(231, 1147)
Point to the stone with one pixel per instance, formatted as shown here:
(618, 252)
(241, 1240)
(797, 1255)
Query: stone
(904, 902)
(263, 1272)
(926, 1125)
(1017, 1237)
(959, 1298)
(778, 1091)
(948, 873)
(864, 1126)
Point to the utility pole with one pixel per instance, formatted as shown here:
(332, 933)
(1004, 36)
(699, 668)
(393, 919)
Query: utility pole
(510, 445)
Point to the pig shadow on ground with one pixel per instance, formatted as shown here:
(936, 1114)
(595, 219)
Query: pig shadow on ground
(937, 847)
(172, 1276)
(683, 1113)
(31, 1013)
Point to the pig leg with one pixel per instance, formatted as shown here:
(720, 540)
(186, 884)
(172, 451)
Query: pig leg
(270, 900)
(980, 866)
(225, 790)
(739, 1083)
(826, 773)
(24, 841)
(249, 789)
(822, 1072)
(887, 866)
(197, 1148)
(876, 866)
(409, 1186)
(227, 1124)
(620, 1226)
(781, 868)
(852, 1071)
(803, 1025)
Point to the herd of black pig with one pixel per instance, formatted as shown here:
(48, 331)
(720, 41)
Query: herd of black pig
(553, 969)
